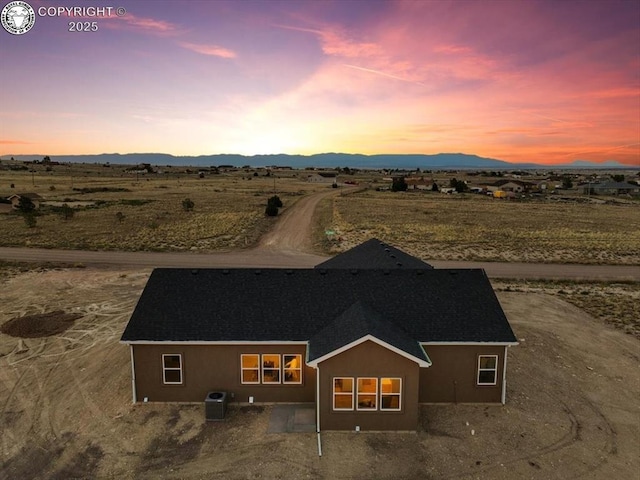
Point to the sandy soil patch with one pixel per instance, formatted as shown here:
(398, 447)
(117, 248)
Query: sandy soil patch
(65, 404)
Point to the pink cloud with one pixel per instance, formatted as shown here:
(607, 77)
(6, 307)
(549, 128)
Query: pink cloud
(148, 25)
(212, 50)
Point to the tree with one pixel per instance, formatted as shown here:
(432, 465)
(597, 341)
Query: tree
(187, 204)
(271, 210)
(120, 216)
(434, 187)
(275, 200)
(459, 185)
(618, 177)
(26, 205)
(566, 182)
(399, 184)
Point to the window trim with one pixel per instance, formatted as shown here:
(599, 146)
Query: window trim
(494, 370)
(165, 369)
(368, 394)
(284, 368)
(352, 393)
(391, 394)
(278, 369)
(243, 368)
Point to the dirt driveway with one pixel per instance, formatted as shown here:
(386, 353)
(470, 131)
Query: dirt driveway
(65, 404)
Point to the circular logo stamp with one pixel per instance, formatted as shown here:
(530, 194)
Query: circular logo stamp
(17, 17)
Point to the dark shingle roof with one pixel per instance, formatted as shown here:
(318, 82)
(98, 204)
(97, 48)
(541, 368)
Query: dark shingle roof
(294, 305)
(374, 254)
(359, 321)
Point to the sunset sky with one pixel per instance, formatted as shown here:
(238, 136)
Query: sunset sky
(521, 81)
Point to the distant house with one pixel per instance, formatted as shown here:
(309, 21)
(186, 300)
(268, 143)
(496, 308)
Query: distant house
(364, 336)
(418, 183)
(323, 177)
(611, 188)
(516, 186)
(34, 197)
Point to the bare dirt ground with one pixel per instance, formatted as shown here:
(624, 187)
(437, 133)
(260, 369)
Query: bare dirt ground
(65, 404)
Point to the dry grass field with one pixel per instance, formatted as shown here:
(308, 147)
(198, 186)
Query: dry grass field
(476, 227)
(228, 212)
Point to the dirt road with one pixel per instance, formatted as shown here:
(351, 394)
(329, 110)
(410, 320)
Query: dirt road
(288, 245)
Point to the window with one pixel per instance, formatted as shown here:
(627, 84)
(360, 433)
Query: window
(390, 393)
(292, 369)
(342, 393)
(270, 368)
(487, 369)
(172, 369)
(250, 365)
(367, 393)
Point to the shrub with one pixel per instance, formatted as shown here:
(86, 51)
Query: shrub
(271, 210)
(187, 204)
(399, 185)
(275, 200)
(120, 216)
(30, 219)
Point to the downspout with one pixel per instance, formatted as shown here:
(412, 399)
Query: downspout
(318, 410)
(133, 376)
(504, 376)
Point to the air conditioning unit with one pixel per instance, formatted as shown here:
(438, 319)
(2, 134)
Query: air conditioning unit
(215, 405)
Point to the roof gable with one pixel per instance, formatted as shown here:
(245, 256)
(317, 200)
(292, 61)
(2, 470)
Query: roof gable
(374, 254)
(357, 324)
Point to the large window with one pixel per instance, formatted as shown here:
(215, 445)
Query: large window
(487, 370)
(342, 393)
(172, 369)
(390, 393)
(271, 368)
(363, 394)
(367, 393)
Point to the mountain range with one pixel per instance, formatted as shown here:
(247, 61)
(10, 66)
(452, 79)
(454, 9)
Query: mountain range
(328, 160)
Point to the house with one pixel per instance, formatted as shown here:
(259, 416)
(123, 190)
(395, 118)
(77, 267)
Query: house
(366, 344)
(34, 197)
(611, 188)
(323, 177)
(516, 186)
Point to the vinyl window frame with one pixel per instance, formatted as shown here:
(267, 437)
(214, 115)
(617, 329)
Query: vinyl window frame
(256, 369)
(366, 394)
(391, 394)
(481, 370)
(166, 369)
(352, 393)
(283, 375)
